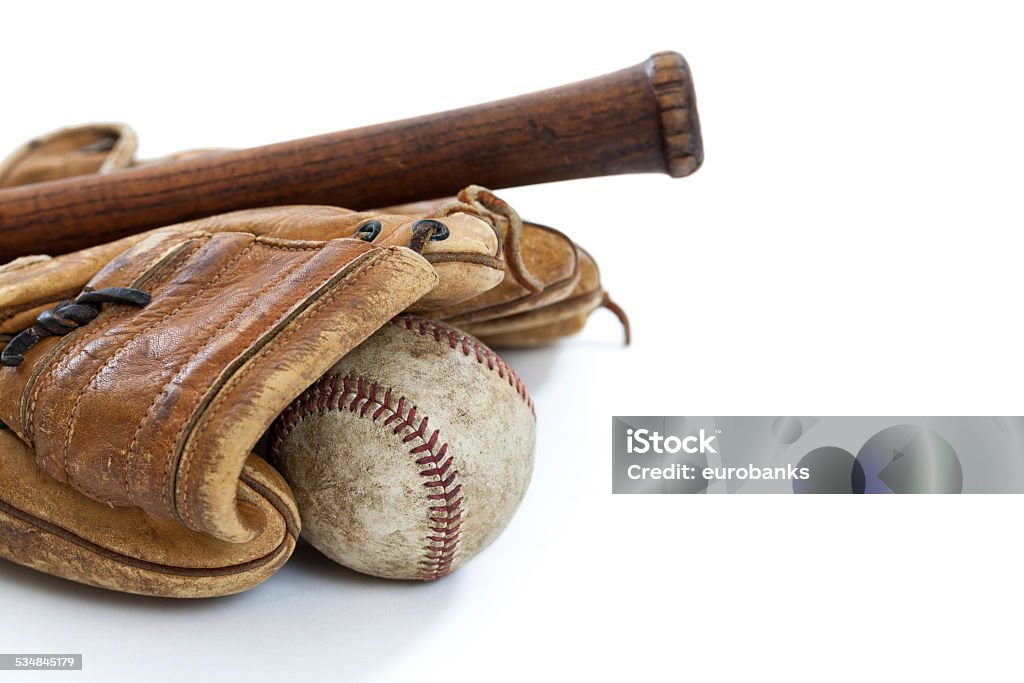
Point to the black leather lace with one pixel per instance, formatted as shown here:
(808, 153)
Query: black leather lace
(67, 317)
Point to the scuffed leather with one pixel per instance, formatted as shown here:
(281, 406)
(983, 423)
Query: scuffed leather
(32, 284)
(510, 315)
(71, 151)
(548, 322)
(160, 407)
(79, 150)
(51, 527)
(550, 256)
(465, 264)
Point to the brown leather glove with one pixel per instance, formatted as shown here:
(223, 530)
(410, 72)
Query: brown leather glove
(140, 399)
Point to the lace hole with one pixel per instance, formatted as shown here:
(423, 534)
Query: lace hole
(439, 229)
(369, 231)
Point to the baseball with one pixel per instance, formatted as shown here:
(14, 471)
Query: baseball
(411, 454)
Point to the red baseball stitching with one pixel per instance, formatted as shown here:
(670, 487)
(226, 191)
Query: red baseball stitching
(470, 346)
(444, 490)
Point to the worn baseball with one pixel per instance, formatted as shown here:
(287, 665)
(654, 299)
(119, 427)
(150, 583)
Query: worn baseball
(411, 454)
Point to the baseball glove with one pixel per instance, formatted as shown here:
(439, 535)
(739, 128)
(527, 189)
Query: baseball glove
(131, 409)
(538, 285)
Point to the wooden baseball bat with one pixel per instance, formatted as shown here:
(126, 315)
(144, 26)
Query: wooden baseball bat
(637, 120)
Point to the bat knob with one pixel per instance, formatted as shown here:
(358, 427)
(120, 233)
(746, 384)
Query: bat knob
(670, 79)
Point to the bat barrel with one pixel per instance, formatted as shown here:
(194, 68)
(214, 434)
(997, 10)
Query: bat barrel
(638, 120)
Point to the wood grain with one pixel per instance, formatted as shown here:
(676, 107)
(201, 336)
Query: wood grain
(641, 119)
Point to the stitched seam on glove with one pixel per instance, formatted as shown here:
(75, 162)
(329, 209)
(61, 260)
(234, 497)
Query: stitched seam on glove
(224, 393)
(130, 457)
(172, 463)
(83, 335)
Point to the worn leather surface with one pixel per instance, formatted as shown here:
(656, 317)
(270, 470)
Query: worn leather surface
(159, 407)
(32, 284)
(51, 527)
(67, 152)
(412, 454)
(546, 323)
(548, 254)
(79, 150)
(512, 316)
(465, 264)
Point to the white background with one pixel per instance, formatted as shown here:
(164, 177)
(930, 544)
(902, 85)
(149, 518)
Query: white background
(851, 246)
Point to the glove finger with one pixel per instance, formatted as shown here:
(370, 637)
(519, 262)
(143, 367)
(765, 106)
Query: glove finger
(547, 323)
(49, 526)
(68, 152)
(80, 150)
(548, 254)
